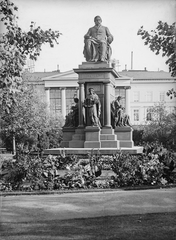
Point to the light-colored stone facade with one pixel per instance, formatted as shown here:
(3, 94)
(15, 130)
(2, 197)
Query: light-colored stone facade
(143, 89)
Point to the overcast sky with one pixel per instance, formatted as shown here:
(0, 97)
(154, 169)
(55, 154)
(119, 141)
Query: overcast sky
(73, 18)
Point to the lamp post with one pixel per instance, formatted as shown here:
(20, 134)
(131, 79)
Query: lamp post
(13, 142)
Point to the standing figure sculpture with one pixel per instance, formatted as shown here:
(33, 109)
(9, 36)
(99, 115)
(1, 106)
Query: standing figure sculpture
(119, 117)
(97, 43)
(93, 106)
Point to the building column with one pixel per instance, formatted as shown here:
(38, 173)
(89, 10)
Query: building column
(77, 94)
(47, 94)
(81, 100)
(63, 102)
(107, 110)
(127, 100)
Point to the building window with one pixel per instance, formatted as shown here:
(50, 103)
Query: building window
(121, 92)
(148, 96)
(136, 96)
(136, 115)
(55, 101)
(71, 93)
(162, 96)
(148, 115)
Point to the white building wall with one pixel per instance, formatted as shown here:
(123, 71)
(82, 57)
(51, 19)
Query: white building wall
(145, 88)
(144, 92)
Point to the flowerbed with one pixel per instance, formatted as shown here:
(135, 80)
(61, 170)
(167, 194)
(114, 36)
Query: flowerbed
(156, 166)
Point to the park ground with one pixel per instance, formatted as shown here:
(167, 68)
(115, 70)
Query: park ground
(141, 214)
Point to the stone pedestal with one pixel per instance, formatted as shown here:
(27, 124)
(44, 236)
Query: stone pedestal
(68, 132)
(78, 139)
(102, 78)
(124, 135)
(109, 139)
(92, 137)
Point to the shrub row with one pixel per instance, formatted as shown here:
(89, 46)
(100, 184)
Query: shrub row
(154, 167)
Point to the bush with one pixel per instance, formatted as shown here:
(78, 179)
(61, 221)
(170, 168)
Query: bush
(154, 167)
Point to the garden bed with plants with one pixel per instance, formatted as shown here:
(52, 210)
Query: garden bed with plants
(25, 172)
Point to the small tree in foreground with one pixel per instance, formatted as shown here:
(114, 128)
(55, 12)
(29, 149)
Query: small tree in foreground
(30, 122)
(161, 127)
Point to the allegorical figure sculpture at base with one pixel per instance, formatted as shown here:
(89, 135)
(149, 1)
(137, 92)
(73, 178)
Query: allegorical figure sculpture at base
(93, 106)
(72, 118)
(97, 43)
(119, 117)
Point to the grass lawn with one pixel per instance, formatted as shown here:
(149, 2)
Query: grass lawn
(151, 226)
(133, 215)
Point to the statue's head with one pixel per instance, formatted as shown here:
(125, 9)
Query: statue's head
(119, 98)
(97, 20)
(91, 90)
(76, 100)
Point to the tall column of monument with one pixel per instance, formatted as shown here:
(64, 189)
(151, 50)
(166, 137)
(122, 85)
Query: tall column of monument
(81, 100)
(107, 113)
(127, 103)
(63, 102)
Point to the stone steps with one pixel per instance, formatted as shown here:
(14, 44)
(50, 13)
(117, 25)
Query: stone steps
(108, 137)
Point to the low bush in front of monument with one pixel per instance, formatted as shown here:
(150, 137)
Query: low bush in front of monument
(143, 170)
(156, 166)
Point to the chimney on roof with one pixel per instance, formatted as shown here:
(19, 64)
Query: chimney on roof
(131, 60)
(58, 68)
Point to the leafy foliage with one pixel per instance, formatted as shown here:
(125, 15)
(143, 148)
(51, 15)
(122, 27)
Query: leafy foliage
(160, 128)
(162, 40)
(154, 167)
(171, 93)
(15, 46)
(28, 120)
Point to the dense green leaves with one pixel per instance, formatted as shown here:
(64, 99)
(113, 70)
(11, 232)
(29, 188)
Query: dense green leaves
(162, 40)
(16, 46)
(154, 167)
(29, 118)
(160, 128)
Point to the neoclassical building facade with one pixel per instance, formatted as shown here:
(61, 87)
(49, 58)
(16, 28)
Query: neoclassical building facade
(140, 90)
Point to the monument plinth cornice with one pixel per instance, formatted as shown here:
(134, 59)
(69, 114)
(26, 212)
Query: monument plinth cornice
(97, 70)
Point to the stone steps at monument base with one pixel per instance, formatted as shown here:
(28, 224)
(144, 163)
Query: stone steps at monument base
(107, 131)
(126, 143)
(78, 137)
(108, 137)
(76, 144)
(109, 144)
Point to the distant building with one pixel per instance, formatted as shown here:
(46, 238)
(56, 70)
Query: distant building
(140, 90)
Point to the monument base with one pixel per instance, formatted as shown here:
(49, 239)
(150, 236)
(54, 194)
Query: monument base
(92, 137)
(78, 139)
(85, 151)
(124, 135)
(108, 138)
(68, 132)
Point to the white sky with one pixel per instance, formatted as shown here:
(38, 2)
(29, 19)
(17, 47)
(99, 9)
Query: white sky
(73, 18)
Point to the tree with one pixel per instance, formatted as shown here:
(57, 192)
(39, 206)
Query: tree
(15, 46)
(163, 40)
(29, 120)
(161, 127)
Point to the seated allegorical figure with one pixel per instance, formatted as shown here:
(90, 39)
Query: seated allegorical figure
(72, 118)
(97, 43)
(118, 115)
